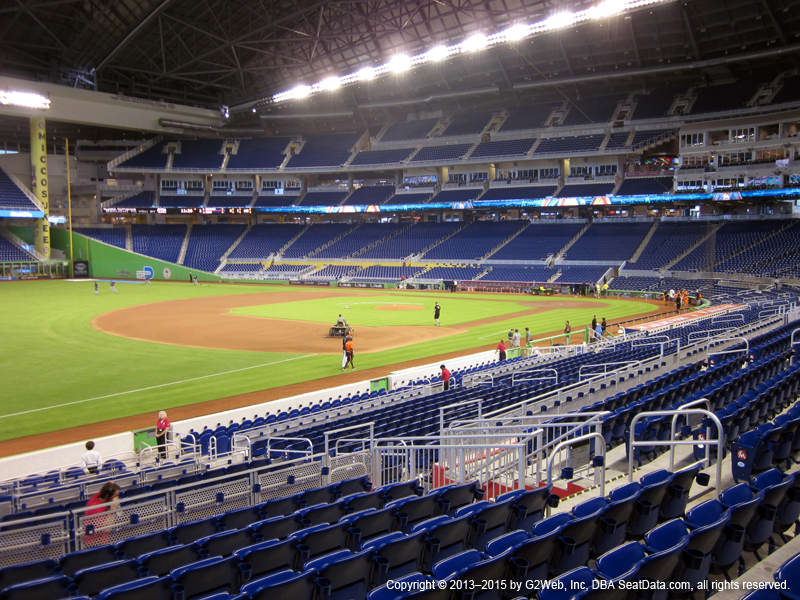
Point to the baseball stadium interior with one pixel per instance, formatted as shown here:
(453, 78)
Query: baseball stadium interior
(618, 148)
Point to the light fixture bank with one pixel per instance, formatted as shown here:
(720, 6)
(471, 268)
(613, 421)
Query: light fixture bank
(24, 99)
(476, 42)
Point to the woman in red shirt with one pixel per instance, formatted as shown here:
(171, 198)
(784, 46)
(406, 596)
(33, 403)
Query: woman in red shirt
(162, 425)
(445, 377)
(501, 349)
(99, 519)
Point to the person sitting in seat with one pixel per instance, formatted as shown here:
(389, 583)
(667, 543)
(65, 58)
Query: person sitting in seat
(340, 322)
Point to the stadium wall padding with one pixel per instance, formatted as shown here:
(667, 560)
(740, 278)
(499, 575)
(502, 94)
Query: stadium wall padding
(110, 262)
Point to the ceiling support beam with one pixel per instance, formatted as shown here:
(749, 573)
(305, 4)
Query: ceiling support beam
(131, 34)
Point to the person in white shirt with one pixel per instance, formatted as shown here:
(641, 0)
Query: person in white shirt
(91, 459)
(516, 339)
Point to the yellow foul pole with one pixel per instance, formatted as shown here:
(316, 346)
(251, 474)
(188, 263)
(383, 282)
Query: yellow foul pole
(69, 213)
(40, 186)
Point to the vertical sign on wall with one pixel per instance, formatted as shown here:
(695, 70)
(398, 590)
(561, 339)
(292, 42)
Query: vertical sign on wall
(39, 179)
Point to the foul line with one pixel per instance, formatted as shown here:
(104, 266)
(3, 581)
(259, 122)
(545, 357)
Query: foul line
(154, 387)
(373, 303)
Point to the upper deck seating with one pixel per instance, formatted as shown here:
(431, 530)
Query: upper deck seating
(152, 158)
(531, 117)
(258, 153)
(445, 152)
(519, 192)
(645, 185)
(158, 241)
(571, 190)
(371, 194)
(381, 157)
(538, 241)
(611, 241)
(264, 239)
(207, 243)
(199, 154)
(567, 145)
(474, 241)
(11, 196)
(408, 130)
(324, 150)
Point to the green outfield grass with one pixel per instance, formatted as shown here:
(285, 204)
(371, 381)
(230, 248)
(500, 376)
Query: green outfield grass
(58, 371)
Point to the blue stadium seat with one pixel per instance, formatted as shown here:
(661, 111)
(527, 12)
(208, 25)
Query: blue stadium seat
(529, 506)
(266, 558)
(39, 569)
(144, 588)
(70, 563)
(788, 574)
(647, 508)
(91, 580)
(742, 503)
(284, 584)
(142, 544)
(488, 519)
(344, 577)
(224, 543)
(47, 588)
(444, 537)
(569, 585)
(706, 524)
(160, 562)
(396, 554)
(209, 575)
(274, 528)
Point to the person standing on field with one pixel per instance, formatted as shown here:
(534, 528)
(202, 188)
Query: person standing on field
(437, 310)
(348, 350)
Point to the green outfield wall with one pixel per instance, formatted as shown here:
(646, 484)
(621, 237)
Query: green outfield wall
(110, 262)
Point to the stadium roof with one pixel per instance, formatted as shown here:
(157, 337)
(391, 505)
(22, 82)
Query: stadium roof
(235, 52)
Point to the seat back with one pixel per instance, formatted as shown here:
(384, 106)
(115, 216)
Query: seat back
(75, 561)
(214, 574)
(287, 586)
(26, 572)
(46, 588)
(274, 528)
(146, 588)
(93, 579)
(267, 557)
(161, 562)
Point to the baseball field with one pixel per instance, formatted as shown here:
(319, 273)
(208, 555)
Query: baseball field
(73, 358)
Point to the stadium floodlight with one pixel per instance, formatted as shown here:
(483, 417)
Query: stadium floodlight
(330, 83)
(559, 20)
(474, 43)
(366, 74)
(516, 32)
(24, 99)
(399, 63)
(608, 8)
(437, 53)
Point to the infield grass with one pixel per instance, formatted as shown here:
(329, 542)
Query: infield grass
(59, 371)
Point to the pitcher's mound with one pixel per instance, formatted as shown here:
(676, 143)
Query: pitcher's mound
(399, 307)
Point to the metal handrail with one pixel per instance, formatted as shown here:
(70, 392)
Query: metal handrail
(583, 438)
(732, 338)
(478, 401)
(301, 453)
(625, 363)
(515, 379)
(720, 441)
(704, 401)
